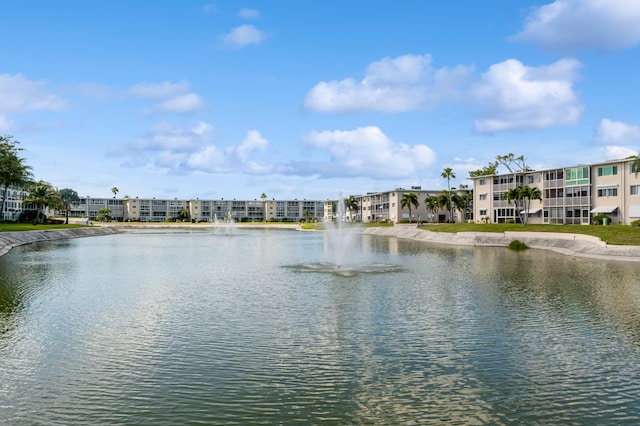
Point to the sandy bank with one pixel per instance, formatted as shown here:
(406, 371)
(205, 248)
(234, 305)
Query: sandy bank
(569, 244)
(9, 240)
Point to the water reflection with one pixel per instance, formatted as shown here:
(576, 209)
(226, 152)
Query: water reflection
(155, 328)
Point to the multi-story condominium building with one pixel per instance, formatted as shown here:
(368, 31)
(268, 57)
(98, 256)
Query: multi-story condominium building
(13, 203)
(386, 206)
(570, 195)
(157, 210)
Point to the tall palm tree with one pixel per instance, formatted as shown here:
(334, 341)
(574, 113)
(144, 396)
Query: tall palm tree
(43, 195)
(68, 196)
(115, 191)
(462, 203)
(409, 199)
(528, 193)
(513, 195)
(351, 203)
(444, 201)
(448, 174)
(431, 202)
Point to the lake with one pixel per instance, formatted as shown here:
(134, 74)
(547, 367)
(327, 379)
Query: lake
(253, 326)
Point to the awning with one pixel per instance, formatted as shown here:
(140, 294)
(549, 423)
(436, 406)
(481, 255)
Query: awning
(532, 211)
(604, 209)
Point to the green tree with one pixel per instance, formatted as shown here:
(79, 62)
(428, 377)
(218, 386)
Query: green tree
(13, 170)
(431, 202)
(512, 163)
(528, 193)
(263, 196)
(635, 165)
(409, 199)
(104, 215)
(115, 191)
(444, 201)
(490, 169)
(68, 196)
(184, 215)
(42, 194)
(350, 203)
(463, 203)
(448, 174)
(513, 195)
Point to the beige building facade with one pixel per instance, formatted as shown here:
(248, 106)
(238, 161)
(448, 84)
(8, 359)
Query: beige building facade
(570, 195)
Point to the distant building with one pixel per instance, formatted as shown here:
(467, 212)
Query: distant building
(570, 195)
(162, 210)
(386, 206)
(13, 204)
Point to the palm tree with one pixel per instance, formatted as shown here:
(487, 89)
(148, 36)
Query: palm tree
(635, 166)
(444, 201)
(13, 170)
(68, 196)
(462, 203)
(408, 200)
(115, 191)
(528, 193)
(351, 203)
(43, 195)
(513, 194)
(432, 205)
(448, 174)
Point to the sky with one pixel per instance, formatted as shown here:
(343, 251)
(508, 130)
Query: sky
(311, 99)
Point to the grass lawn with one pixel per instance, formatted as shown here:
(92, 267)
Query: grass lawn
(613, 234)
(17, 227)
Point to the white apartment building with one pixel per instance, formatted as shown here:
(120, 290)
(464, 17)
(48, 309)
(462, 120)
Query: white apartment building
(570, 195)
(386, 206)
(13, 203)
(162, 210)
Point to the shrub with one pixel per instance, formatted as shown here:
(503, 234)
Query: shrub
(517, 245)
(598, 219)
(636, 223)
(509, 221)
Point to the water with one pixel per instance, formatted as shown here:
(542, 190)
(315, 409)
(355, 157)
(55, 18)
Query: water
(152, 328)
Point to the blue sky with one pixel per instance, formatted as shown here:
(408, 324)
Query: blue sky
(296, 99)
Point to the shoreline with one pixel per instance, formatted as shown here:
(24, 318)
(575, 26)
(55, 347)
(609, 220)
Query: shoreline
(576, 245)
(9, 240)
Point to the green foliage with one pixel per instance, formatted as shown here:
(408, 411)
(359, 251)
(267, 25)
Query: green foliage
(636, 223)
(42, 195)
(13, 170)
(490, 169)
(184, 215)
(599, 219)
(104, 215)
(517, 245)
(409, 199)
(619, 234)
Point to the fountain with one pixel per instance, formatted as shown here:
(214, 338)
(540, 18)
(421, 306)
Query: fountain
(227, 224)
(341, 243)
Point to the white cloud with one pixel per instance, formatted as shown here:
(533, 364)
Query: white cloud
(246, 13)
(253, 141)
(617, 132)
(569, 25)
(164, 90)
(399, 84)
(183, 104)
(19, 94)
(365, 151)
(242, 36)
(513, 96)
(182, 150)
(614, 152)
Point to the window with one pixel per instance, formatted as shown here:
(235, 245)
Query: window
(483, 197)
(577, 176)
(608, 171)
(608, 191)
(483, 212)
(635, 189)
(482, 182)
